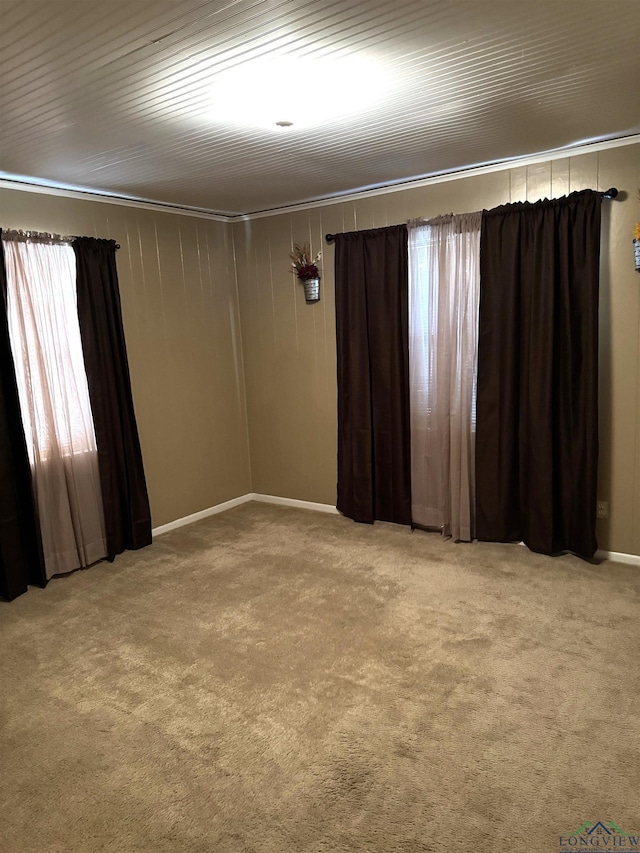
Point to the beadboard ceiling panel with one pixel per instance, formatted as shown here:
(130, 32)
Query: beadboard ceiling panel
(115, 96)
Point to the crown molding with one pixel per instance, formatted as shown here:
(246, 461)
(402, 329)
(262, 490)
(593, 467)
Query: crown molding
(31, 185)
(445, 177)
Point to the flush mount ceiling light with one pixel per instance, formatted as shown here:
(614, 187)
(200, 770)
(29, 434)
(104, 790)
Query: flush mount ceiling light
(295, 92)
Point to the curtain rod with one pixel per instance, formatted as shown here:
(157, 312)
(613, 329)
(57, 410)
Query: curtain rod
(39, 237)
(36, 236)
(612, 192)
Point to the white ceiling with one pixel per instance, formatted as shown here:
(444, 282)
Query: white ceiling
(112, 95)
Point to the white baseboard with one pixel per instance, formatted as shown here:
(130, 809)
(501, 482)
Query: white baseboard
(619, 557)
(197, 516)
(274, 499)
(615, 556)
(243, 499)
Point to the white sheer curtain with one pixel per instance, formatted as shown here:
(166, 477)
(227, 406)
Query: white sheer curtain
(444, 292)
(54, 400)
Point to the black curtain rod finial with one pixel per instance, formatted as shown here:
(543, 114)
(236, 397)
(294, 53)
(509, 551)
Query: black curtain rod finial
(330, 238)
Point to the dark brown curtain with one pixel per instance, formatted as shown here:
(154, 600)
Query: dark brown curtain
(537, 408)
(374, 465)
(124, 491)
(21, 558)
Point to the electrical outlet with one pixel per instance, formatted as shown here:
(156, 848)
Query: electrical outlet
(603, 509)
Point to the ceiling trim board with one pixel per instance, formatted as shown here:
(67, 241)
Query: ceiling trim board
(445, 177)
(339, 198)
(94, 195)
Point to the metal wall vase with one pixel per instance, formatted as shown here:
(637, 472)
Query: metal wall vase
(311, 289)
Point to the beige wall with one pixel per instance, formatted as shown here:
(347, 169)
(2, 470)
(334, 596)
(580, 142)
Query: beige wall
(289, 347)
(190, 356)
(180, 313)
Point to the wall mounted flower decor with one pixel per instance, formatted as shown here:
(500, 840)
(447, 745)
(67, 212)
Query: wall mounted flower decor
(305, 266)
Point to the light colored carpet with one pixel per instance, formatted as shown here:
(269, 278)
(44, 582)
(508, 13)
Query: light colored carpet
(274, 680)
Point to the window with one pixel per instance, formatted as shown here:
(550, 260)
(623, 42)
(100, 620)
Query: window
(444, 288)
(45, 337)
(54, 400)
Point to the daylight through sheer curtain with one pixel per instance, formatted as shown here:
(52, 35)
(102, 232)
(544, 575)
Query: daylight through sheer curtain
(444, 292)
(54, 400)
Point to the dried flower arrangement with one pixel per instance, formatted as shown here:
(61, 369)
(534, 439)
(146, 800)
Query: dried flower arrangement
(304, 266)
